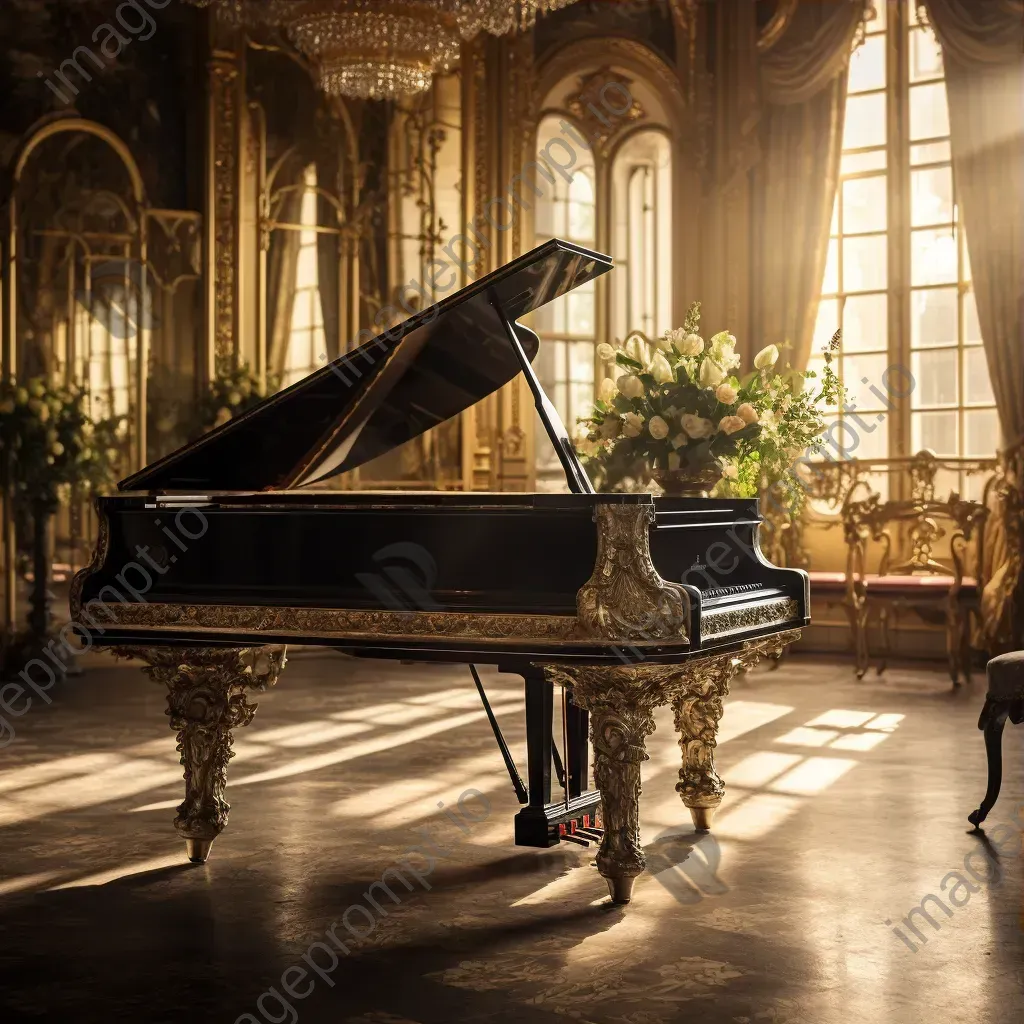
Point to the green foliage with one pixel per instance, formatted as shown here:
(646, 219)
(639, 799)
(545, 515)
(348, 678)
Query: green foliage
(49, 443)
(234, 390)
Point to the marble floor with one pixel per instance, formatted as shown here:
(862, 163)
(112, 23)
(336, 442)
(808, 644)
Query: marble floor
(846, 809)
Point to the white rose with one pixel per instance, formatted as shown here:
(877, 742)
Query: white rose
(610, 428)
(658, 428)
(730, 473)
(605, 352)
(660, 370)
(766, 358)
(747, 413)
(723, 350)
(726, 394)
(730, 424)
(630, 385)
(632, 424)
(697, 426)
(691, 345)
(711, 374)
(607, 390)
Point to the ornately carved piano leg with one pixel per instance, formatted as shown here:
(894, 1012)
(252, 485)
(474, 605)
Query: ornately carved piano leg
(701, 787)
(205, 700)
(621, 703)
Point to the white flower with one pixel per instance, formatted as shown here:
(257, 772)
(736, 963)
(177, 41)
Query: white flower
(605, 352)
(691, 345)
(747, 413)
(766, 358)
(711, 374)
(730, 472)
(660, 370)
(664, 343)
(726, 394)
(630, 385)
(610, 427)
(658, 428)
(769, 420)
(632, 424)
(723, 350)
(730, 424)
(697, 426)
(635, 350)
(607, 390)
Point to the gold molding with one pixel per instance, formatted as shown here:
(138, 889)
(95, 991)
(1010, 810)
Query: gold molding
(750, 616)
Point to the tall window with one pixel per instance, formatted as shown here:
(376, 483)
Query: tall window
(567, 326)
(306, 339)
(897, 278)
(642, 235)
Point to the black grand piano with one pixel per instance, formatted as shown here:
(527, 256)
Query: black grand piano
(212, 559)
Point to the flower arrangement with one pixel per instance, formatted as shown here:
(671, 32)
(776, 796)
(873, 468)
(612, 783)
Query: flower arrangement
(680, 412)
(233, 390)
(49, 443)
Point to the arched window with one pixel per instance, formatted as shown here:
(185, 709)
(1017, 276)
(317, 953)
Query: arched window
(642, 235)
(567, 327)
(898, 279)
(306, 339)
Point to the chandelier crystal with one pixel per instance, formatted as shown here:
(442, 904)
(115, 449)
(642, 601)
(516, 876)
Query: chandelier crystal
(382, 49)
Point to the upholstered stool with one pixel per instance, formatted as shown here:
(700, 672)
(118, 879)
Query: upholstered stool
(1005, 699)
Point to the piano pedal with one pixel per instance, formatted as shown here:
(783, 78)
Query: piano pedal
(576, 837)
(595, 835)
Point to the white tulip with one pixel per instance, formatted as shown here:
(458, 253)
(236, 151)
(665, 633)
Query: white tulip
(605, 352)
(658, 428)
(607, 390)
(660, 370)
(632, 424)
(766, 358)
(630, 385)
(726, 394)
(664, 343)
(635, 350)
(711, 374)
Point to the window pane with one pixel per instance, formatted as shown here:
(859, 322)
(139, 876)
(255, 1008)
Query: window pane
(581, 312)
(862, 373)
(864, 263)
(865, 327)
(982, 433)
(867, 66)
(302, 311)
(934, 430)
(972, 329)
(930, 153)
(581, 361)
(865, 437)
(853, 163)
(876, 23)
(931, 196)
(977, 383)
(864, 204)
(830, 283)
(865, 121)
(929, 115)
(825, 325)
(925, 56)
(933, 317)
(933, 257)
(936, 373)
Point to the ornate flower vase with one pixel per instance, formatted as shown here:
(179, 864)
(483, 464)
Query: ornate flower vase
(687, 483)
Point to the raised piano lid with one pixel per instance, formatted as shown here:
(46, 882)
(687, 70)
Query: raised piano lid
(395, 387)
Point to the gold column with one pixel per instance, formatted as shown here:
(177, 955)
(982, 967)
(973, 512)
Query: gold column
(224, 166)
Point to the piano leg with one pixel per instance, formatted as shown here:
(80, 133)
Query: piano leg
(696, 718)
(206, 699)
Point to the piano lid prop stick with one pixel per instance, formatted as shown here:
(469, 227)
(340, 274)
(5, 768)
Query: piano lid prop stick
(517, 783)
(579, 482)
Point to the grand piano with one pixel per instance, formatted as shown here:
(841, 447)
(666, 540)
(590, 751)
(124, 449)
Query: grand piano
(213, 559)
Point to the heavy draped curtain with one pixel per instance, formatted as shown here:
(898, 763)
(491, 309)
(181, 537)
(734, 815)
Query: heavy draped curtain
(803, 79)
(983, 53)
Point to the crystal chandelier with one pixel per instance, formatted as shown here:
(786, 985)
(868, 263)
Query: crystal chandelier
(381, 49)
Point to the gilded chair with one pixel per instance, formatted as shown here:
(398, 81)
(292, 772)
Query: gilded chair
(911, 555)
